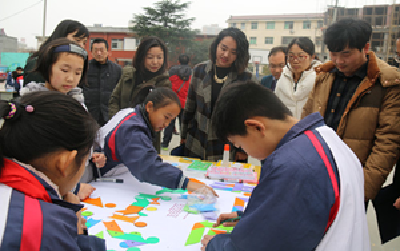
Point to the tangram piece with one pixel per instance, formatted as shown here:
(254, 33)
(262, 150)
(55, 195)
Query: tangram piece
(197, 225)
(142, 214)
(110, 205)
(100, 235)
(195, 236)
(115, 234)
(199, 165)
(151, 209)
(91, 222)
(84, 209)
(245, 199)
(129, 219)
(196, 181)
(168, 190)
(238, 202)
(186, 208)
(141, 224)
(112, 226)
(246, 194)
(218, 231)
(230, 185)
(185, 160)
(237, 208)
(86, 213)
(96, 202)
(207, 223)
(155, 201)
(151, 196)
(131, 210)
(238, 187)
(210, 215)
(129, 244)
(140, 201)
(210, 232)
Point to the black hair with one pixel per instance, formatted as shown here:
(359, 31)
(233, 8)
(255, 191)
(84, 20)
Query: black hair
(14, 75)
(62, 30)
(47, 57)
(19, 69)
(241, 101)
(305, 44)
(275, 50)
(160, 96)
(351, 33)
(57, 122)
(99, 41)
(145, 45)
(183, 59)
(242, 48)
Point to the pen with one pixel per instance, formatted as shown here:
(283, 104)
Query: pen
(110, 180)
(231, 220)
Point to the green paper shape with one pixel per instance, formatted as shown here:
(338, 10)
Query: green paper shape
(140, 201)
(133, 249)
(210, 232)
(198, 165)
(100, 235)
(227, 229)
(195, 236)
(87, 213)
(168, 190)
(186, 208)
(142, 214)
(132, 237)
(114, 233)
(207, 223)
(136, 233)
(152, 240)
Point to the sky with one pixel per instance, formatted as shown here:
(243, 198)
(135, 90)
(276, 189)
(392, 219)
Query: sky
(24, 18)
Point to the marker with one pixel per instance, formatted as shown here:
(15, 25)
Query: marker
(230, 220)
(110, 180)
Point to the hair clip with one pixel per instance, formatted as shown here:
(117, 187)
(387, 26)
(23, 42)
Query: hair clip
(29, 108)
(12, 111)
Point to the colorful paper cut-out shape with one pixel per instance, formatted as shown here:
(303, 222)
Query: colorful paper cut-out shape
(129, 219)
(96, 202)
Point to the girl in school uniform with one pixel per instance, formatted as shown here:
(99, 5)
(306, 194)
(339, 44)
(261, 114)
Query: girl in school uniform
(128, 139)
(45, 141)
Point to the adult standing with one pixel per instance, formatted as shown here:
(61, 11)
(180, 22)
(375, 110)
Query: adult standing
(103, 76)
(229, 56)
(359, 96)
(277, 60)
(180, 76)
(70, 29)
(148, 67)
(298, 76)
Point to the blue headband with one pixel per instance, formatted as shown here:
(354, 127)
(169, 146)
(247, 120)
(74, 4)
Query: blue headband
(72, 48)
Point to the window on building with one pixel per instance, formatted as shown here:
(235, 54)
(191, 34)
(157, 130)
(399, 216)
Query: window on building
(368, 11)
(233, 25)
(318, 41)
(269, 40)
(379, 21)
(270, 25)
(368, 20)
(254, 25)
(117, 44)
(242, 26)
(306, 25)
(288, 24)
(320, 24)
(380, 11)
(253, 40)
(287, 40)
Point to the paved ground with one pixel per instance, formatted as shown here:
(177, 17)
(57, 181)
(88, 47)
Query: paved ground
(393, 245)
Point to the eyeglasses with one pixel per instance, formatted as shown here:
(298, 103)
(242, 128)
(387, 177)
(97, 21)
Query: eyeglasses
(276, 66)
(299, 57)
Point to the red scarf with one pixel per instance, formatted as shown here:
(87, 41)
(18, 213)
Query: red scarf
(20, 179)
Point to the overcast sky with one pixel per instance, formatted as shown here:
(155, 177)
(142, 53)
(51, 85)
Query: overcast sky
(117, 13)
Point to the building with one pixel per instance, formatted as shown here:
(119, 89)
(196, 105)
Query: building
(122, 43)
(212, 29)
(266, 32)
(385, 22)
(7, 43)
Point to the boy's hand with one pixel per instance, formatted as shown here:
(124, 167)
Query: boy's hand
(397, 203)
(81, 225)
(99, 159)
(241, 156)
(226, 216)
(72, 198)
(194, 185)
(85, 191)
(206, 239)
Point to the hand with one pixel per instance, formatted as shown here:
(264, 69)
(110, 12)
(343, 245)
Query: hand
(72, 198)
(81, 225)
(99, 159)
(226, 216)
(241, 156)
(194, 185)
(397, 203)
(206, 239)
(183, 141)
(85, 191)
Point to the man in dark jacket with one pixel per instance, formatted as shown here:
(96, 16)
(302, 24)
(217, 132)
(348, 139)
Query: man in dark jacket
(103, 76)
(180, 76)
(276, 63)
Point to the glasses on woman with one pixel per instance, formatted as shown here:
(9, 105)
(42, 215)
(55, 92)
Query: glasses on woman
(300, 57)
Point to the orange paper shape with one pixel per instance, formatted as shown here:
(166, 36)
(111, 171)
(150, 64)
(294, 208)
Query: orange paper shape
(217, 231)
(155, 201)
(141, 224)
(110, 205)
(131, 210)
(239, 202)
(84, 209)
(130, 219)
(195, 181)
(246, 194)
(96, 202)
(112, 226)
(230, 185)
(197, 225)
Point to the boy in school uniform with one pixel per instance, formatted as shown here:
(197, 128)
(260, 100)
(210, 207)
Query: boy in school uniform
(310, 195)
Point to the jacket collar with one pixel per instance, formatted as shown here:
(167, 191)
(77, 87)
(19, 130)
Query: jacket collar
(146, 119)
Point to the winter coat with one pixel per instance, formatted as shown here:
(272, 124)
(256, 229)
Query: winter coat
(101, 81)
(295, 95)
(370, 125)
(29, 74)
(180, 76)
(196, 128)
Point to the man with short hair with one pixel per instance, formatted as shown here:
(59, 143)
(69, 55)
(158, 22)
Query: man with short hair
(276, 63)
(359, 96)
(103, 76)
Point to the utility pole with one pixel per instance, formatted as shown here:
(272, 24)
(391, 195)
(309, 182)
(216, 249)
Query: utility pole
(44, 20)
(389, 40)
(334, 19)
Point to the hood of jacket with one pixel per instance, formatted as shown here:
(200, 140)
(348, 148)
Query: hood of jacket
(183, 71)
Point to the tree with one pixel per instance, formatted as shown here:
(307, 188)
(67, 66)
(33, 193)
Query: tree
(167, 21)
(199, 51)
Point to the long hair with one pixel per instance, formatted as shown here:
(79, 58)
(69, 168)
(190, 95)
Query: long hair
(242, 48)
(145, 45)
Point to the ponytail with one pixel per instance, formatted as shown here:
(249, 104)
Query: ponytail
(159, 96)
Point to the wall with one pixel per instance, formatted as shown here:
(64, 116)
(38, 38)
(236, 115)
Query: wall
(13, 59)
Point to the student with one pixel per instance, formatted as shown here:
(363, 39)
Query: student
(44, 147)
(130, 134)
(69, 29)
(63, 65)
(310, 195)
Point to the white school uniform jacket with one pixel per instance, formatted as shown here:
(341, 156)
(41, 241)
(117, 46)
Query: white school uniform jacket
(293, 95)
